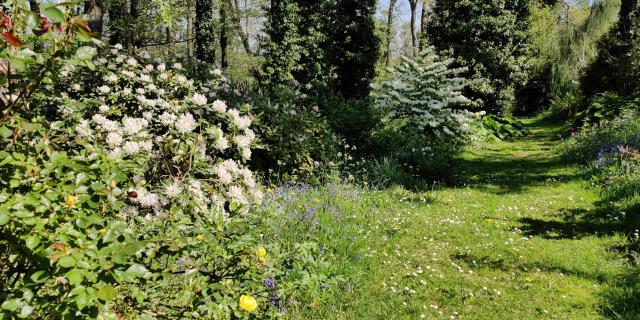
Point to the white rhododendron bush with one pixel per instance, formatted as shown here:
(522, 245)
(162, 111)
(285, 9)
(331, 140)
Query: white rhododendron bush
(191, 146)
(125, 193)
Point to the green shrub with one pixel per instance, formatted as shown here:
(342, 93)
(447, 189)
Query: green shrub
(608, 106)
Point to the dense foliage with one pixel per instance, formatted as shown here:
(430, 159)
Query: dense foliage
(490, 37)
(424, 103)
(616, 67)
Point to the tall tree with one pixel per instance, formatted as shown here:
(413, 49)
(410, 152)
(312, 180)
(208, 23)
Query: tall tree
(422, 41)
(389, 31)
(489, 37)
(281, 48)
(205, 39)
(355, 47)
(617, 67)
(413, 5)
(118, 14)
(224, 35)
(234, 11)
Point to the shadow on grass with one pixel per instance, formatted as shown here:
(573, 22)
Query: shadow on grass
(519, 164)
(621, 296)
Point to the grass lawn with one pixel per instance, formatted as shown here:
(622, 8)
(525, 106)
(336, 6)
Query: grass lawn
(510, 240)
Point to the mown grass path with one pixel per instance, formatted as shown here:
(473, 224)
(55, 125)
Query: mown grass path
(507, 242)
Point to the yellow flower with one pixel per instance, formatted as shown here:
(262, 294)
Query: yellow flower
(199, 237)
(488, 220)
(103, 230)
(261, 252)
(269, 190)
(71, 200)
(263, 260)
(248, 303)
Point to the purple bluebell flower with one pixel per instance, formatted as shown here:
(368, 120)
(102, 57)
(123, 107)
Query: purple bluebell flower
(323, 250)
(269, 283)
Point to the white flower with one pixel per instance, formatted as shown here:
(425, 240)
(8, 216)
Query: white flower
(147, 115)
(104, 89)
(114, 139)
(163, 76)
(219, 106)
(115, 153)
(186, 123)
(177, 65)
(131, 148)
(217, 72)
(103, 108)
(222, 144)
(242, 122)
(110, 126)
(145, 78)
(76, 87)
(162, 67)
(133, 126)
(236, 194)
(231, 166)
(132, 62)
(118, 46)
(242, 141)
(127, 91)
(140, 90)
(246, 154)
(167, 118)
(99, 119)
(111, 78)
(146, 145)
(173, 190)
(223, 175)
(152, 87)
(149, 67)
(199, 99)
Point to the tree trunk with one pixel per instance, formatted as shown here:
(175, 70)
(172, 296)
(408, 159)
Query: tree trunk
(94, 9)
(135, 40)
(118, 12)
(387, 54)
(413, 4)
(224, 40)
(235, 16)
(423, 24)
(205, 44)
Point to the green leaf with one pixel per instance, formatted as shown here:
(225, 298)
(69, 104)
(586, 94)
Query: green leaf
(26, 311)
(12, 304)
(5, 132)
(75, 277)
(33, 241)
(107, 293)
(4, 219)
(86, 53)
(137, 270)
(39, 277)
(67, 262)
(54, 14)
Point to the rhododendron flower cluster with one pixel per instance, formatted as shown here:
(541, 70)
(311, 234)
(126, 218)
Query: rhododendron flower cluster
(192, 148)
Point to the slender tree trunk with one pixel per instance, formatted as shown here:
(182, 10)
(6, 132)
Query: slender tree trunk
(423, 24)
(224, 40)
(94, 9)
(387, 54)
(235, 16)
(413, 4)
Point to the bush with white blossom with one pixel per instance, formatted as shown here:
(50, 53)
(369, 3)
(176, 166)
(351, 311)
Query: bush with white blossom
(424, 99)
(124, 192)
